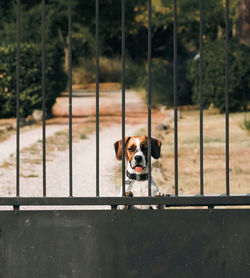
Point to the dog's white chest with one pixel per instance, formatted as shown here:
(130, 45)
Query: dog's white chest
(140, 188)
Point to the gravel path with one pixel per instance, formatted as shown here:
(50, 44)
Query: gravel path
(84, 170)
(84, 156)
(8, 147)
(84, 166)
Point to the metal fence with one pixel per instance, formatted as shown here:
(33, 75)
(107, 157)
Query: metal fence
(174, 200)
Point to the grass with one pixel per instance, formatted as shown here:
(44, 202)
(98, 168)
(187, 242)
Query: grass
(6, 164)
(32, 155)
(29, 176)
(83, 136)
(214, 154)
(206, 140)
(141, 132)
(246, 124)
(110, 70)
(7, 130)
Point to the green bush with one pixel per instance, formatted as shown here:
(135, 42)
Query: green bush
(214, 76)
(30, 78)
(85, 72)
(110, 71)
(246, 123)
(135, 74)
(163, 83)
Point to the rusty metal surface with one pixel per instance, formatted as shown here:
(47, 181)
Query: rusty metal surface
(129, 243)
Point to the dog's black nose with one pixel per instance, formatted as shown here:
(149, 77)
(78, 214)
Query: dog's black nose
(138, 158)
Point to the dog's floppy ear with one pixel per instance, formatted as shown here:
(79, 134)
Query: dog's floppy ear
(155, 148)
(118, 147)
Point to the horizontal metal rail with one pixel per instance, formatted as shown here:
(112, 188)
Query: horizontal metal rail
(169, 201)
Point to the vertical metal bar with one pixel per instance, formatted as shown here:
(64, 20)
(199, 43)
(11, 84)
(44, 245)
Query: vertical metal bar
(70, 101)
(123, 97)
(227, 96)
(18, 100)
(149, 94)
(43, 97)
(175, 100)
(97, 96)
(201, 101)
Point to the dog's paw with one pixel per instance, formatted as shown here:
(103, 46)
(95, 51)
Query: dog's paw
(129, 194)
(159, 194)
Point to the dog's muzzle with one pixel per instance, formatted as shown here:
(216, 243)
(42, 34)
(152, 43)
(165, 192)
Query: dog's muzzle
(138, 163)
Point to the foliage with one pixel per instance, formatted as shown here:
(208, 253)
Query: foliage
(246, 124)
(30, 78)
(83, 25)
(83, 42)
(163, 83)
(214, 75)
(135, 74)
(109, 70)
(188, 18)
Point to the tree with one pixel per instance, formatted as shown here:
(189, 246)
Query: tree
(243, 22)
(214, 76)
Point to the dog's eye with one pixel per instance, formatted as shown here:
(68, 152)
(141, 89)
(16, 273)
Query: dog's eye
(132, 148)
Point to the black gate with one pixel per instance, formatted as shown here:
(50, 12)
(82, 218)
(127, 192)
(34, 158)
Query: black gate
(125, 243)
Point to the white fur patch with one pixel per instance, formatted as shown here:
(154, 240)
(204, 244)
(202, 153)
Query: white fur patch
(137, 141)
(138, 152)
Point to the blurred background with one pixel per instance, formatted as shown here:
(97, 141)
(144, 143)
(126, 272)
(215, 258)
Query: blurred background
(84, 75)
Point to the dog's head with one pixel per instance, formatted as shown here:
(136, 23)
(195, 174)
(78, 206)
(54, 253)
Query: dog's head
(136, 151)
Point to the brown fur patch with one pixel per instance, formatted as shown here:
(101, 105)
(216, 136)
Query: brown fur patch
(118, 147)
(131, 147)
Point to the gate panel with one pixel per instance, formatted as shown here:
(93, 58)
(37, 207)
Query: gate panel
(167, 243)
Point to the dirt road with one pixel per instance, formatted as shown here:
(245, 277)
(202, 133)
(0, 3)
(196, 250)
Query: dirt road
(84, 165)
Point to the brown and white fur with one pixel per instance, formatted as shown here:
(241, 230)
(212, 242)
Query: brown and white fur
(136, 153)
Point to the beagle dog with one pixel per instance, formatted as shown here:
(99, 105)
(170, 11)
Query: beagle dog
(136, 153)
